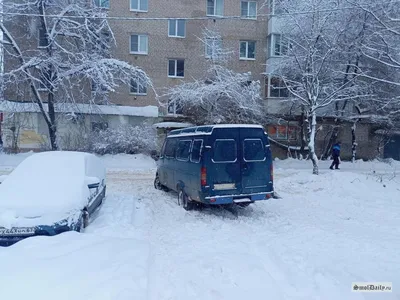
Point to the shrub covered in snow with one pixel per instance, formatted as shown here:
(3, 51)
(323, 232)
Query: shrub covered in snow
(127, 139)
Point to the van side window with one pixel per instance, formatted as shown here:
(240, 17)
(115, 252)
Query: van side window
(182, 152)
(253, 150)
(225, 151)
(170, 148)
(196, 150)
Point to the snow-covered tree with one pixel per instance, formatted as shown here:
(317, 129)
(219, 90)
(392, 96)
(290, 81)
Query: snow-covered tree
(319, 74)
(57, 53)
(222, 96)
(382, 48)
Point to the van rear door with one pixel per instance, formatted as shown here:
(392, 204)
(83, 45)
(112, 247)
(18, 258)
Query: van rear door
(255, 161)
(223, 172)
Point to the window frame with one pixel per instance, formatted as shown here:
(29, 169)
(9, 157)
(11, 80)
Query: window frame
(100, 6)
(215, 40)
(176, 68)
(138, 93)
(190, 147)
(139, 35)
(201, 149)
(247, 50)
(225, 162)
(248, 17)
(176, 21)
(215, 9)
(139, 9)
(290, 132)
(262, 147)
(280, 90)
(284, 45)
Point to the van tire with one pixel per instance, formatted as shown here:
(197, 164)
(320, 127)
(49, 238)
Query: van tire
(183, 200)
(158, 185)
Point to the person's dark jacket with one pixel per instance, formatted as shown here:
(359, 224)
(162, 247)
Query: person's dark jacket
(336, 150)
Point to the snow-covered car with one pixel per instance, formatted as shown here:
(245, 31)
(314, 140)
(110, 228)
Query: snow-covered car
(49, 193)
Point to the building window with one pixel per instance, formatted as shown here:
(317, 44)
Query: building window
(42, 40)
(213, 47)
(247, 50)
(277, 88)
(249, 9)
(174, 107)
(102, 3)
(139, 44)
(139, 5)
(277, 45)
(177, 28)
(282, 132)
(176, 68)
(137, 88)
(215, 7)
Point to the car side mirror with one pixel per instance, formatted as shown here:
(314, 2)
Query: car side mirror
(2, 178)
(92, 182)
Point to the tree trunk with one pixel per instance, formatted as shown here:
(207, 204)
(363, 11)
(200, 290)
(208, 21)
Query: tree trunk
(312, 129)
(52, 124)
(353, 142)
(302, 131)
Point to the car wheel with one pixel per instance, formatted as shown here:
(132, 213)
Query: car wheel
(157, 183)
(183, 200)
(85, 216)
(80, 228)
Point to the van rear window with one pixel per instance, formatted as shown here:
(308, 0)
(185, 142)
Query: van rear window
(253, 150)
(225, 151)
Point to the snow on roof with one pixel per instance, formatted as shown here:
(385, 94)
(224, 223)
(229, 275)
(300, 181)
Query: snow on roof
(172, 125)
(208, 129)
(46, 187)
(146, 111)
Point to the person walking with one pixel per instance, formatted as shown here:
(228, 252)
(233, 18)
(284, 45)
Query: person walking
(336, 156)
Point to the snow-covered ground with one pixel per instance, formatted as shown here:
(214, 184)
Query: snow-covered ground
(326, 232)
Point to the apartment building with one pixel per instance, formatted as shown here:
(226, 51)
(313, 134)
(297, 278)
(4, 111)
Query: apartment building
(169, 45)
(165, 39)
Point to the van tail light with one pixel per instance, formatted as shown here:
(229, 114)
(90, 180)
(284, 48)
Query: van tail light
(272, 172)
(203, 176)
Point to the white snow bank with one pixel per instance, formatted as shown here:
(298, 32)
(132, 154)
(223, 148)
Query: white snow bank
(46, 187)
(358, 166)
(74, 266)
(146, 111)
(137, 162)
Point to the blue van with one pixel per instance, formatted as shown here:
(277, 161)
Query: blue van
(216, 165)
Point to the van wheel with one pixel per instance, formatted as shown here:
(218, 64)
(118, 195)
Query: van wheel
(183, 200)
(158, 185)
